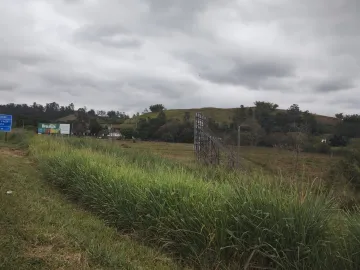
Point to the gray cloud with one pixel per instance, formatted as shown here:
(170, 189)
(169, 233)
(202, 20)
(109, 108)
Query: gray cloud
(334, 85)
(7, 86)
(108, 35)
(129, 54)
(11, 59)
(254, 73)
(68, 78)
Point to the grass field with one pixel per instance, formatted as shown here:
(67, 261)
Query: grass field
(153, 194)
(40, 229)
(251, 220)
(309, 165)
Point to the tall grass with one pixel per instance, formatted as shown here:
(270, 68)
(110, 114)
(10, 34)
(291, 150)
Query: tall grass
(17, 137)
(147, 160)
(255, 221)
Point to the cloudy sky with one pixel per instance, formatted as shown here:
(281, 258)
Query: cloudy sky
(129, 54)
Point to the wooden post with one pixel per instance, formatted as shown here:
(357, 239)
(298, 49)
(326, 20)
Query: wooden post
(6, 135)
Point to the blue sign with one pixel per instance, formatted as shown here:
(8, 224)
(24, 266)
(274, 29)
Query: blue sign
(5, 122)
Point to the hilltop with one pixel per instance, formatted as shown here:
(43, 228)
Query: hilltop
(220, 115)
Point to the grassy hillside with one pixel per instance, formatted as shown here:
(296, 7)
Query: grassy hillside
(220, 115)
(102, 120)
(71, 117)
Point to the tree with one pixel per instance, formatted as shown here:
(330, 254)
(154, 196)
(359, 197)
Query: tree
(309, 120)
(82, 115)
(94, 127)
(264, 112)
(295, 109)
(52, 107)
(294, 115)
(157, 108)
(79, 128)
(121, 115)
(101, 113)
(267, 106)
(282, 122)
(147, 128)
(256, 132)
(111, 114)
(91, 112)
(239, 116)
(349, 126)
(339, 116)
(128, 133)
(71, 107)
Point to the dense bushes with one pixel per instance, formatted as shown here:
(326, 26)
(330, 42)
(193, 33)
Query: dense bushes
(337, 140)
(252, 220)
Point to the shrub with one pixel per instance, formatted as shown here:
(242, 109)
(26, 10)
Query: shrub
(128, 133)
(337, 140)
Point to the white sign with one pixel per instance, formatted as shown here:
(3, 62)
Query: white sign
(64, 129)
(48, 126)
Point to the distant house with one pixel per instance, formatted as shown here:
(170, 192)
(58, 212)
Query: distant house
(112, 127)
(113, 130)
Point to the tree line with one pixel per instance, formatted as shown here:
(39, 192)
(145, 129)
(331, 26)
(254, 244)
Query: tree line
(262, 124)
(30, 115)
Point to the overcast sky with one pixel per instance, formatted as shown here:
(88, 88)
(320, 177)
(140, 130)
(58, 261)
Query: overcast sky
(129, 54)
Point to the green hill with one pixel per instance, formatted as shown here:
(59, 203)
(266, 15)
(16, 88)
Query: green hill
(220, 115)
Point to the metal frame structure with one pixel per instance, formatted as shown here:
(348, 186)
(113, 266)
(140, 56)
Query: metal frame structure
(209, 148)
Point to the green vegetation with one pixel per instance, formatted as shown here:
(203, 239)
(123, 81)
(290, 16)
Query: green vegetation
(263, 124)
(269, 216)
(228, 220)
(39, 229)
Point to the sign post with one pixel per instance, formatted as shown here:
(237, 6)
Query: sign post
(5, 124)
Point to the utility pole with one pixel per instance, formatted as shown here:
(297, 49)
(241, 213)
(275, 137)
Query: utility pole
(238, 143)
